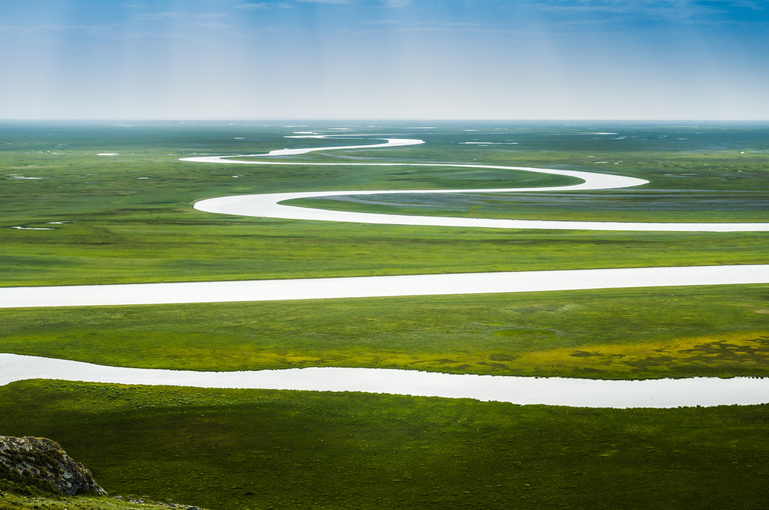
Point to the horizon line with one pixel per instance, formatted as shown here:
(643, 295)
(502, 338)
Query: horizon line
(373, 119)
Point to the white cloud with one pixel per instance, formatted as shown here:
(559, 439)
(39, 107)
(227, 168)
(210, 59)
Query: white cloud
(261, 5)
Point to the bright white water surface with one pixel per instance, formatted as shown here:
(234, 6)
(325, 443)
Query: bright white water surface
(379, 286)
(518, 390)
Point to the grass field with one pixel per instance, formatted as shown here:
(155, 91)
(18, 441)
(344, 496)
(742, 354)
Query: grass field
(622, 205)
(128, 218)
(266, 449)
(617, 334)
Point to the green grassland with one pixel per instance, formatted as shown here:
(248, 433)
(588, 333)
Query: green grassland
(15, 501)
(246, 449)
(128, 218)
(193, 246)
(622, 205)
(615, 334)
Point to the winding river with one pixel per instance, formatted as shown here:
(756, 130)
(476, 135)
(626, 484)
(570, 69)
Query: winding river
(268, 205)
(520, 390)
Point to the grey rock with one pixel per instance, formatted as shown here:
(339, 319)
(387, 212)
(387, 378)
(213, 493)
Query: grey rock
(42, 462)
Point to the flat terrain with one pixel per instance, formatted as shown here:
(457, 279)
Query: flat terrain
(128, 218)
(266, 449)
(615, 334)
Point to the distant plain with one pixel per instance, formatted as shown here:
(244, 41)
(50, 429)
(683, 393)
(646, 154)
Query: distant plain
(128, 218)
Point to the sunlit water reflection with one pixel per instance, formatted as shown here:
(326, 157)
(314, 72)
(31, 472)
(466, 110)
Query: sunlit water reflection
(659, 393)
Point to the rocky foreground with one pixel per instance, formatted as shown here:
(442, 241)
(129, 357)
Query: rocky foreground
(36, 472)
(43, 463)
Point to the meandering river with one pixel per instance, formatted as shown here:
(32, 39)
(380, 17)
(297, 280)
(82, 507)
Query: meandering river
(519, 390)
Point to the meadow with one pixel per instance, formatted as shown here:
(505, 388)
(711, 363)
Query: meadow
(128, 218)
(267, 449)
(608, 334)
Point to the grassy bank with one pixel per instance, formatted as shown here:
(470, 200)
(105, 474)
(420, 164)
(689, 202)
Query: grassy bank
(621, 205)
(15, 501)
(266, 449)
(201, 247)
(624, 334)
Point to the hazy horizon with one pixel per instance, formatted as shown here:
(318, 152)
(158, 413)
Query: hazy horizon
(354, 60)
(382, 123)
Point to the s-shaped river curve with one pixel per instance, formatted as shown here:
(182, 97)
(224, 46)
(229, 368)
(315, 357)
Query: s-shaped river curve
(521, 390)
(269, 205)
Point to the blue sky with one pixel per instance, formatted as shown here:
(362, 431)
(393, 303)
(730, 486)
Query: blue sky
(385, 59)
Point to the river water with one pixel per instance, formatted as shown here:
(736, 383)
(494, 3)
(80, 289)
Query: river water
(657, 393)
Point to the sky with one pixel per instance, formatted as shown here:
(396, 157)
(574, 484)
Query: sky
(385, 59)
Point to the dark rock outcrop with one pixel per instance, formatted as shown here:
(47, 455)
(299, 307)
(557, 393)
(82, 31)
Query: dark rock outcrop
(42, 463)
